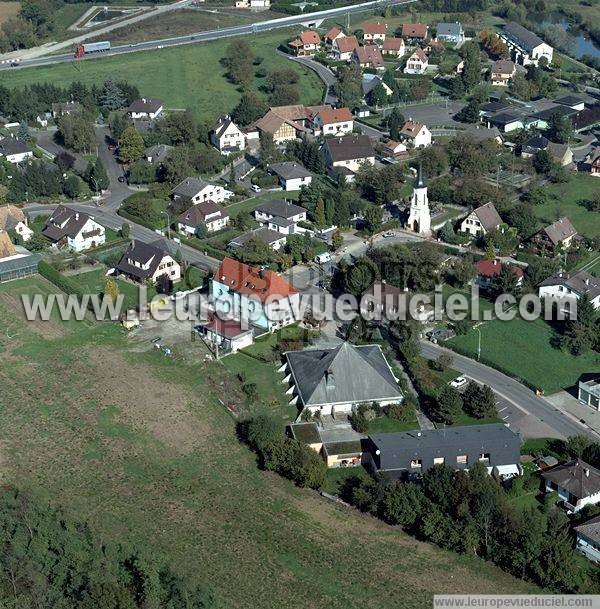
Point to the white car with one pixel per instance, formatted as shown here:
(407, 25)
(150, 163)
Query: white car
(389, 234)
(458, 382)
(255, 188)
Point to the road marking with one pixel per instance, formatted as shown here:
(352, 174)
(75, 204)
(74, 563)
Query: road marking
(501, 409)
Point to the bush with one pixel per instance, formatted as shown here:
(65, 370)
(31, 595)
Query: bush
(400, 412)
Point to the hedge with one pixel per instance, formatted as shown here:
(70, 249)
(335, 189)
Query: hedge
(63, 283)
(203, 247)
(136, 219)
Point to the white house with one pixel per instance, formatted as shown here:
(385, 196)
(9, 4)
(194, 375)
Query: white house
(198, 190)
(306, 43)
(525, 47)
(207, 213)
(333, 34)
(269, 235)
(571, 286)
(374, 33)
(144, 262)
(588, 539)
(348, 153)
(226, 335)
(292, 175)
(343, 48)
(14, 151)
(145, 107)
(588, 393)
(332, 121)
(13, 218)
(417, 63)
(481, 220)
(73, 229)
(255, 295)
(280, 216)
(226, 136)
(450, 32)
(576, 482)
(336, 380)
(416, 133)
(394, 47)
(253, 4)
(502, 71)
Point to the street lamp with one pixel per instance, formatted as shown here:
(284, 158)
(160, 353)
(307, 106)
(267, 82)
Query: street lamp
(478, 343)
(168, 223)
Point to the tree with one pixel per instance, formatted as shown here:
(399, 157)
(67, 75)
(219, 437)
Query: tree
(320, 213)
(349, 85)
(542, 161)
(377, 96)
(112, 97)
(23, 133)
(458, 89)
(76, 132)
(72, 186)
(479, 402)
(111, 289)
(238, 61)
(373, 219)
(471, 75)
(361, 275)
(254, 251)
(96, 176)
(250, 108)
(181, 128)
(506, 282)
(402, 503)
(448, 405)
(176, 167)
(434, 160)
(125, 230)
(470, 113)
(337, 239)
(131, 146)
(395, 121)
(560, 128)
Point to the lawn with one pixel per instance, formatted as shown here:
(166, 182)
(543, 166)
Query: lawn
(142, 448)
(93, 282)
(337, 476)
(250, 204)
(525, 350)
(386, 424)
(565, 200)
(188, 76)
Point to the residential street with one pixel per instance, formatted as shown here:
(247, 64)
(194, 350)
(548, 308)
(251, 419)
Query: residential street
(528, 413)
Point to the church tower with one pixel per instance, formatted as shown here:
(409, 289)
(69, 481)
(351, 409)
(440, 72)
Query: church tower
(419, 219)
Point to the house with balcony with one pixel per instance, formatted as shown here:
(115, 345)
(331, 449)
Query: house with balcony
(336, 380)
(198, 190)
(145, 108)
(280, 216)
(226, 136)
(409, 454)
(346, 154)
(343, 48)
(148, 262)
(571, 286)
(328, 121)
(481, 220)
(559, 235)
(417, 134)
(253, 295)
(502, 72)
(305, 44)
(417, 63)
(415, 31)
(292, 176)
(525, 47)
(393, 47)
(207, 213)
(587, 539)
(374, 32)
(576, 482)
(74, 230)
(450, 32)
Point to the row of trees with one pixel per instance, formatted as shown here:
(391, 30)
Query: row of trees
(50, 560)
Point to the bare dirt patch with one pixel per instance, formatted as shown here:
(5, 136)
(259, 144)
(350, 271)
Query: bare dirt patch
(147, 403)
(46, 329)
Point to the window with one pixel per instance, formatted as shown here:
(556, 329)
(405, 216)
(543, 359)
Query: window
(416, 463)
(484, 457)
(438, 461)
(461, 460)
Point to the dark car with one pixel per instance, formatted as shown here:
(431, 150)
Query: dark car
(121, 179)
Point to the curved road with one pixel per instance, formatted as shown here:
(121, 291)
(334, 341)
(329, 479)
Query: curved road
(515, 393)
(240, 30)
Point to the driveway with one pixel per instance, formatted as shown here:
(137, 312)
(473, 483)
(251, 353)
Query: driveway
(323, 72)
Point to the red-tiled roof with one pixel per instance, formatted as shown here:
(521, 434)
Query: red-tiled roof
(252, 281)
(347, 44)
(309, 37)
(393, 44)
(492, 268)
(333, 32)
(375, 28)
(414, 30)
(335, 115)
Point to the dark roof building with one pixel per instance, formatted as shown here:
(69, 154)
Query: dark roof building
(280, 208)
(342, 377)
(145, 106)
(273, 239)
(349, 147)
(398, 455)
(576, 482)
(65, 222)
(576, 283)
(189, 188)
(10, 146)
(588, 538)
(141, 260)
(290, 170)
(522, 37)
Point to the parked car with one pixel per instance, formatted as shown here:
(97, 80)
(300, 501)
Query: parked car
(121, 179)
(458, 382)
(440, 335)
(255, 188)
(389, 234)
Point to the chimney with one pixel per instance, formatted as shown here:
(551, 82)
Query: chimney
(586, 472)
(587, 281)
(76, 215)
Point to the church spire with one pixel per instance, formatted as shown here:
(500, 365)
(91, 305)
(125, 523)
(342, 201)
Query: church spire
(421, 180)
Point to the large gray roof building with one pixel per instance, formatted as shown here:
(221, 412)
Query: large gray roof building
(339, 378)
(403, 454)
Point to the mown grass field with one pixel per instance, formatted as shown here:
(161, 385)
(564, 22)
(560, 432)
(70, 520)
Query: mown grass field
(140, 446)
(525, 349)
(566, 200)
(189, 76)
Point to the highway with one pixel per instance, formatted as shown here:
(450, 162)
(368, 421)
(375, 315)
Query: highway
(240, 30)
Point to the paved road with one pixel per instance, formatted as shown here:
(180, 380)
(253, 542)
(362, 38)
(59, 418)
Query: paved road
(515, 397)
(324, 73)
(240, 30)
